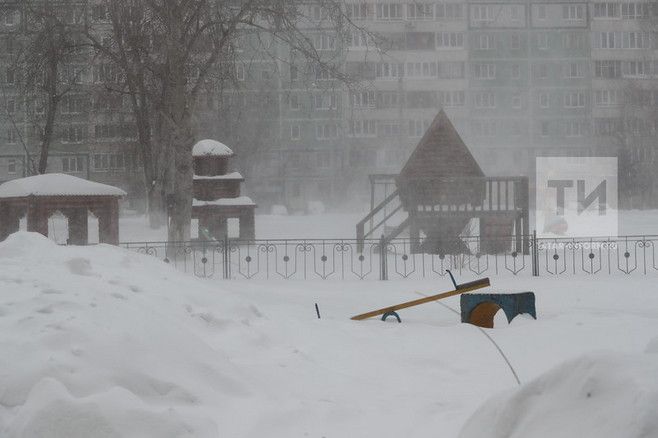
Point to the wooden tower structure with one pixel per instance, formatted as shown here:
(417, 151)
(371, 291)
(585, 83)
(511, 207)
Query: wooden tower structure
(217, 195)
(441, 188)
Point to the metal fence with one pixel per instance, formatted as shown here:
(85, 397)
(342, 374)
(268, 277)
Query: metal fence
(382, 260)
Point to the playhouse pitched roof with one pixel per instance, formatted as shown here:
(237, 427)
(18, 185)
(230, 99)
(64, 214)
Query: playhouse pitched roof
(440, 153)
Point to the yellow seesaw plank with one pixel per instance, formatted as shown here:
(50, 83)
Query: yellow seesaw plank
(465, 287)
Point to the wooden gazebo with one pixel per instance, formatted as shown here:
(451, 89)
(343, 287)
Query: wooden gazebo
(217, 195)
(40, 196)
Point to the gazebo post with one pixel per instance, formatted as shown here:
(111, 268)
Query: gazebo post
(78, 226)
(9, 220)
(37, 217)
(247, 225)
(219, 228)
(108, 223)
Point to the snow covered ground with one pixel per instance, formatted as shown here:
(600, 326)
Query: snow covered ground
(101, 342)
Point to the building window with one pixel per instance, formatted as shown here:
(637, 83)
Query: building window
(452, 98)
(12, 135)
(484, 128)
(389, 70)
(359, 11)
(607, 97)
(607, 69)
(541, 12)
(363, 128)
(420, 11)
(483, 13)
(364, 99)
(326, 131)
(576, 128)
(606, 10)
(418, 127)
(388, 128)
(72, 164)
(71, 105)
(636, 69)
(449, 40)
(389, 11)
(293, 73)
(515, 41)
(451, 70)
(485, 99)
(515, 12)
(10, 76)
(239, 72)
(544, 100)
(633, 11)
(573, 40)
(574, 70)
(541, 71)
(484, 71)
(485, 42)
(322, 41)
(11, 106)
(358, 39)
(11, 166)
(516, 100)
(545, 128)
(325, 102)
(73, 134)
(295, 132)
(449, 11)
(421, 69)
(573, 12)
(107, 161)
(575, 99)
(387, 99)
(542, 41)
(516, 71)
(294, 102)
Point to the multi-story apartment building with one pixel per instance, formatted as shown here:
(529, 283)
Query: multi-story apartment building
(519, 79)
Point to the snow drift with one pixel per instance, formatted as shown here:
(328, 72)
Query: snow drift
(602, 395)
(92, 344)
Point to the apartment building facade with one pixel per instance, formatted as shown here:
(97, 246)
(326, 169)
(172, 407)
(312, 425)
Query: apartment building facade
(519, 79)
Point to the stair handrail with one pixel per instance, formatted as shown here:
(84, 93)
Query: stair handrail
(360, 227)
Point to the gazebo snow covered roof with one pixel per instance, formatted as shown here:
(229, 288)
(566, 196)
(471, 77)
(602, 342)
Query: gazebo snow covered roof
(56, 184)
(212, 148)
(38, 197)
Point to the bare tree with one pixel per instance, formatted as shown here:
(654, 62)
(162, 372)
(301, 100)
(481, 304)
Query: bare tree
(47, 65)
(169, 51)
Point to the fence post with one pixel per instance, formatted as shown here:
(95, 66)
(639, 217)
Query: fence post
(535, 255)
(383, 272)
(227, 261)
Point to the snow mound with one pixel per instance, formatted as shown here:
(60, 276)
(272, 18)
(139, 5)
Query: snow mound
(602, 395)
(99, 341)
(56, 184)
(211, 147)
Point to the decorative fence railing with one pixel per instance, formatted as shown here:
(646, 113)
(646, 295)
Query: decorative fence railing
(383, 260)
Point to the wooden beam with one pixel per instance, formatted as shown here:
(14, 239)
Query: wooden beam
(462, 288)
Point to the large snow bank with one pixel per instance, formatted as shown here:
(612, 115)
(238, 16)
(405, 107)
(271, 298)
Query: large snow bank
(56, 184)
(101, 342)
(211, 147)
(602, 395)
